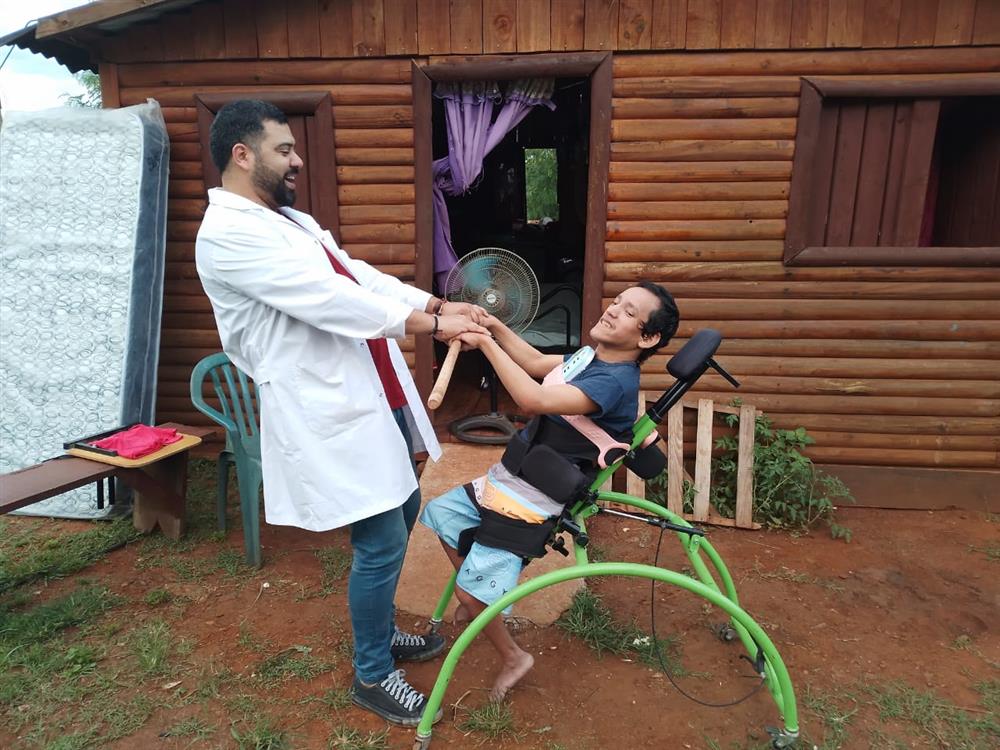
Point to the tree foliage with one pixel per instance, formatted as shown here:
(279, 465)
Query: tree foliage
(91, 96)
(540, 172)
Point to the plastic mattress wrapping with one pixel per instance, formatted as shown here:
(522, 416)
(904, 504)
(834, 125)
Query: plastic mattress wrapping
(83, 203)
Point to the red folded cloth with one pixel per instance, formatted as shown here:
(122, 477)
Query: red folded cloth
(138, 441)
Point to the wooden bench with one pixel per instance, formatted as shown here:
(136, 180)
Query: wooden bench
(160, 486)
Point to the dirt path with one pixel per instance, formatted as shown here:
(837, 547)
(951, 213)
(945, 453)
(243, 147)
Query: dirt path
(908, 608)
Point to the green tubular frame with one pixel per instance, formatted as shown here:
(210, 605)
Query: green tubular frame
(751, 635)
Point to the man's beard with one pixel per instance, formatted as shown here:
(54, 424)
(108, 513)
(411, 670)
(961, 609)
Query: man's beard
(273, 184)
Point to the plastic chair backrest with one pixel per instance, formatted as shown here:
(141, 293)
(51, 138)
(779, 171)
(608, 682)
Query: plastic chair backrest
(237, 395)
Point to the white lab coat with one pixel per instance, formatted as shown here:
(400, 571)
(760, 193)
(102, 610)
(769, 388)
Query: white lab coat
(332, 452)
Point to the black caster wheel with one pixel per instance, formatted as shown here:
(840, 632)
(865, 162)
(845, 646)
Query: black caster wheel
(725, 632)
(782, 740)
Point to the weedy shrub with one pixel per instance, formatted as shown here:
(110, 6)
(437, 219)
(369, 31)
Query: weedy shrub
(789, 491)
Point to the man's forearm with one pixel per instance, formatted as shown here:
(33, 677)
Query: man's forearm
(524, 354)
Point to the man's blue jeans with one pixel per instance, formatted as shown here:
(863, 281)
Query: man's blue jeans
(379, 546)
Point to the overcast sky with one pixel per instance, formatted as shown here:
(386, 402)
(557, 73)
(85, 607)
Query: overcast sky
(29, 81)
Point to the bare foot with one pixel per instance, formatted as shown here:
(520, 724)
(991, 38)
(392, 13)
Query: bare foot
(462, 615)
(511, 673)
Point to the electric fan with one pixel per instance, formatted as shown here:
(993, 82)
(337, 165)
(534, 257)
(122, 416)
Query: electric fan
(504, 285)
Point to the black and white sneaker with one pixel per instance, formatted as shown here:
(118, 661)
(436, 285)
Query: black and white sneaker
(409, 647)
(393, 699)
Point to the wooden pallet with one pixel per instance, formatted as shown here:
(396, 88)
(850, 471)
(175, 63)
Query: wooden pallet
(674, 448)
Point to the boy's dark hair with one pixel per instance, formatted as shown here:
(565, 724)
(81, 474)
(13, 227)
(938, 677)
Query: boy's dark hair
(663, 322)
(241, 121)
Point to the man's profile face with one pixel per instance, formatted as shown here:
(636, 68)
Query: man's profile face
(276, 165)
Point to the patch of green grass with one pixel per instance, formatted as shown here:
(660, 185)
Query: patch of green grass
(156, 597)
(76, 741)
(192, 726)
(833, 714)
(989, 691)
(935, 720)
(296, 661)
(992, 551)
(124, 719)
(262, 735)
(494, 720)
(336, 565)
(151, 647)
(31, 554)
(792, 576)
(349, 738)
(335, 699)
(589, 619)
(250, 642)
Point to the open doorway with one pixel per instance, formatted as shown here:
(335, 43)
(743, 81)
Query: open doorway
(509, 207)
(531, 199)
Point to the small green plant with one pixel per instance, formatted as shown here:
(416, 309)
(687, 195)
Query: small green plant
(263, 735)
(494, 720)
(992, 551)
(296, 661)
(190, 727)
(349, 738)
(589, 619)
(151, 646)
(336, 565)
(156, 597)
(789, 491)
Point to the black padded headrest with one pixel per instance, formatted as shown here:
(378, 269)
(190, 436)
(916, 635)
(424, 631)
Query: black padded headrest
(691, 359)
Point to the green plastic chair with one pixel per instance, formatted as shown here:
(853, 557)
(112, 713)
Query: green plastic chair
(239, 418)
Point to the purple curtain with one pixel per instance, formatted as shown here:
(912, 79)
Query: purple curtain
(472, 134)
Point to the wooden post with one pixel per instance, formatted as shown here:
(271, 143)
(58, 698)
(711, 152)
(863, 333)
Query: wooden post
(703, 460)
(744, 467)
(675, 459)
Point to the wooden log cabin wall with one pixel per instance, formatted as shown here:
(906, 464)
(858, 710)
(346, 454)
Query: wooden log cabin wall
(892, 365)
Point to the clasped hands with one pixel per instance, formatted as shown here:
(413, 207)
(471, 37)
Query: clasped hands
(469, 323)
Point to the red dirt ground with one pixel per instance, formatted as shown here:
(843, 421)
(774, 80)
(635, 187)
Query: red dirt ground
(912, 598)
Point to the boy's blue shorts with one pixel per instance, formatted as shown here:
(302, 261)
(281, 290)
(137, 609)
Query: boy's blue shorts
(487, 573)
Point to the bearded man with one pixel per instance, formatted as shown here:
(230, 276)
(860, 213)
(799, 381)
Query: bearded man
(340, 416)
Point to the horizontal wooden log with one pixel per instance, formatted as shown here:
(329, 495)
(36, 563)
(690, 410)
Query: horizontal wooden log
(832, 309)
(177, 188)
(373, 138)
(187, 208)
(173, 338)
(709, 129)
(373, 233)
(703, 150)
(380, 214)
(875, 405)
(642, 109)
(693, 191)
(641, 251)
(899, 457)
(372, 116)
(358, 195)
(834, 290)
(629, 273)
(377, 254)
(188, 356)
(349, 96)
(814, 62)
(846, 367)
(667, 210)
(185, 169)
(184, 269)
(179, 114)
(860, 348)
(915, 330)
(185, 151)
(720, 229)
(183, 132)
(266, 73)
(671, 87)
(355, 156)
(978, 427)
(846, 386)
(374, 175)
(182, 230)
(704, 171)
(975, 443)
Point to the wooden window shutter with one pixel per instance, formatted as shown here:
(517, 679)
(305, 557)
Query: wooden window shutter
(310, 117)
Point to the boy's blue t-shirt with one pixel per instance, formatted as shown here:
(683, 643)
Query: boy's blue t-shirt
(614, 387)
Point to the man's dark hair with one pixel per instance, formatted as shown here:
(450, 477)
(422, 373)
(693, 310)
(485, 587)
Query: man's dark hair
(241, 121)
(663, 322)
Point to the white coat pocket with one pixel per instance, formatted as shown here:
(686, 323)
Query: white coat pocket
(329, 400)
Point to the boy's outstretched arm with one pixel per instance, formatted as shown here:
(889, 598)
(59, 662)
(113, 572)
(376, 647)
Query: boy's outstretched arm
(532, 361)
(531, 396)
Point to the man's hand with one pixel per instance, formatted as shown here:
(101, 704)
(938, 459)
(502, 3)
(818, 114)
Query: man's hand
(474, 312)
(450, 326)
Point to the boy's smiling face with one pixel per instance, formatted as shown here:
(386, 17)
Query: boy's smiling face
(620, 327)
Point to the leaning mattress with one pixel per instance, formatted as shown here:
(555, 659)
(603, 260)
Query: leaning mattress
(83, 201)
